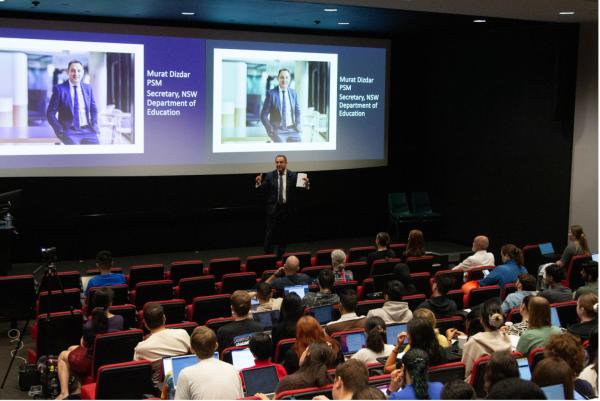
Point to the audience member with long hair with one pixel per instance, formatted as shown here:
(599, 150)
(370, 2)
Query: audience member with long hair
(578, 245)
(550, 371)
(411, 381)
(376, 338)
(292, 309)
(587, 311)
(415, 245)
(314, 362)
(428, 315)
(518, 329)
(491, 340)
(77, 359)
(590, 372)
(382, 243)
(540, 326)
(509, 270)
(502, 365)
(338, 264)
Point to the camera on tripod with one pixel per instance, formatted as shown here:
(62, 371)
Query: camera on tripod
(49, 254)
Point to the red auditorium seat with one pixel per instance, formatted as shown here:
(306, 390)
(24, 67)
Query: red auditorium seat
(447, 372)
(573, 274)
(120, 296)
(259, 263)
(282, 348)
(148, 291)
(70, 279)
(187, 326)
(192, 287)
(383, 266)
(420, 264)
(445, 323)
(96, 271)
(184, 269)
(340, 286)
(216, 323)
(414, 300)
(481, 294)
(238, 281)
(127, 381)
(457, 296)
(364, 307)
(355, 254)
(421, 282)
(455, 277)
(314, 271)
(129, 314)
(220, 266)
(477, 378)
(322, 257)
(175, 310)
(360, 270)
(514, 316)
(535, 356)
(17, 297)
(59, 301)
(115, 347)
(141, 273)
(305, 258)
(509, 288)
(305, 393)
(476, 273)
(398, 249)
(56, 333)
(209, 307)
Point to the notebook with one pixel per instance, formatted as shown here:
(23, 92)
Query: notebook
(301, 290)
(392, 331)
(242, 358)
(260, 380)
(546, 249)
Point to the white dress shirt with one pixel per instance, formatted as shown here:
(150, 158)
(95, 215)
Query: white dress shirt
(284, 184)
(288, 106)
(478, 259)
(83, 120)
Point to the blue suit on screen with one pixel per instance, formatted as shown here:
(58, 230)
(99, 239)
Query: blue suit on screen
(271, 116)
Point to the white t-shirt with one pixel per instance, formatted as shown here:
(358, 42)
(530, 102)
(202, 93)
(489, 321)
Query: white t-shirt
(209, 379)
(366, 355)
(478, 259)
(589, 375)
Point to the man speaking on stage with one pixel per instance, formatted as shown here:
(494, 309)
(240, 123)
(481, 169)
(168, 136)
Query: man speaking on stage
(280, 188)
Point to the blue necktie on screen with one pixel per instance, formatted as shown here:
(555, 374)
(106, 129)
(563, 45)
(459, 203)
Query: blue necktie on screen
(76, 123)
(280, 190)
(283, 109)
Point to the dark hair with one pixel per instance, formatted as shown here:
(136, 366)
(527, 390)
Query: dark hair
(501, 366)
(402, 273)
(513, 252)
(261, 346)
(284, 156)
(354, 374)
(552, 370)
(74, 62)
(458, 390)
(590, 268)
(579, 235)
(154, 315)
(241, 303)
(491, 314)
(444, 284)
(515, 389)
(527, 281)
(383, 239)
(394, 290)
(279, 72)
(103, 298)
(473, 322)
(104, 260)
(592, 349)
(556, 272)
(416, 362)
(375, 328)
(415, 245)
(292, 309)
(314, 368)
(203, 342)
(369, 393)
(263, 290)
(349, 300)
(422, 336)
(326, 278)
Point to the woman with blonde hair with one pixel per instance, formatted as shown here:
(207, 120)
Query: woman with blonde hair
(577, 245)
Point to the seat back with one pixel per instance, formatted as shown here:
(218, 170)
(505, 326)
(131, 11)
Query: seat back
(398, 248)
(187, 326)
(364, 307)
(305, 258)
(59, 301)
(477, 379)
(567, 312)
(259, 263)
(141, 273)
(535, 356)
(445, 323)
(323, 257)
(226, 353)
(58, 331)
(355, 254)
(96, 271)
(414, 300)
(454, 276)
(574, 280)
(476, 273)
(398, 203)
(457, 296)
(17, 297)
(238, 281)
(420, 264)
(218, 322)
(282, 348)
(340, 286)
(383, 266)
(360, 270)
(70, 279)
(532, 258)
(185, 268)
(481, 294)
(115, 347)
(509, 288)
(129, 314)
(514, 316)
(174, 310)
(124, 381)
(120, 296)
(220, 266)
(422, 283)
(314, 271)
(447, 372)
(192, 287)
(149, 291)
(440, 261)
(209, 307)
(305, 393)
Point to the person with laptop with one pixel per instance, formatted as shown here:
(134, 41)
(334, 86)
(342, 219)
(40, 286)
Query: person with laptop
(502, 365)
(481, 257)
(210, 378)
(351, 380)
(525, 286)
(411, 381)
(243, 323)
(349, 319)
(288, 275)
(314, 363)
(540, 326)
(552, 371)
(266, 302)
(261, 347)
(104, 262)
(589, 274)
(324, 296)
(587, 312)
(555, 291)
(376, 342)
(509, 270)
(162, 342)
(439, 303)
(394, 310)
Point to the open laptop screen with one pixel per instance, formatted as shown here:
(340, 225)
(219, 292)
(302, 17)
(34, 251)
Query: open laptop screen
(324, 314)
(546, 248)
(301, 290)
(555, 320)
(352, 342)
(392, 331)
(554, 392)
(524, 371)
(260, 380)
(242, 358)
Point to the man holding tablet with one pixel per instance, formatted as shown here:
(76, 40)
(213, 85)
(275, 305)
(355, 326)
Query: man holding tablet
(280, 113)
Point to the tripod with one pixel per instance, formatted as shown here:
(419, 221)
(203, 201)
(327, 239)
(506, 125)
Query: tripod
(50, 277)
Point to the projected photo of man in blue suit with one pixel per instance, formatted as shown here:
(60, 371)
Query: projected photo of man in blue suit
(72, 111)
(280, 113)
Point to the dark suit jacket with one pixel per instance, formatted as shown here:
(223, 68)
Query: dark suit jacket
(270, 114)
(62, 103)
(269, 188)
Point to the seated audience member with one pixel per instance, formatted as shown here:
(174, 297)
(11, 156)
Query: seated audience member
(415, 246)
(509, 270)
(568, 347)
(518, 329)
(552, 370)
(352, 383)
(243, 323)
(376, 338)
(587, 311)
(540, 326)
(210, 378)
(439, 303)
(313, 369)
(382, 242)
(422, 336)
(481, 257)
(262, 349)
(501, 366)
(516, 389)
(309, 331)
(490, 340)
(77, 359)
(525, 286)
(402, 274)
(338, 260)
(369, 393)
(288, 275)
(324, 296)
(411, 381)
(292, 309)
(458, 390)
(577, 245)
(590, 372)
(394, 310)
(349, 319)
(430, 317)
(104, 262)
(589, 274)
(162, 342)
(266, 302)
(555, 291)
